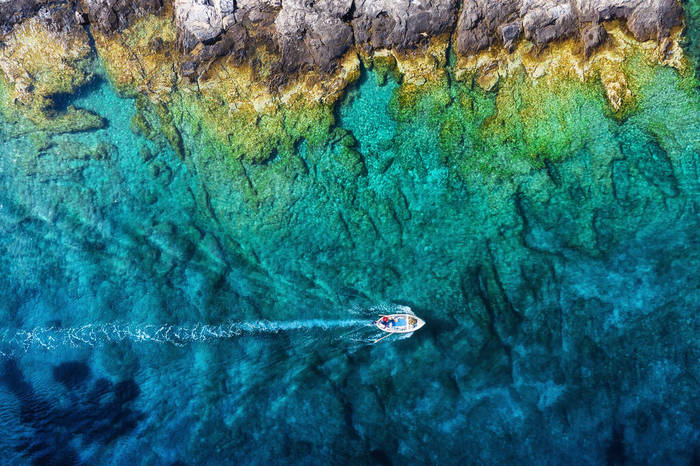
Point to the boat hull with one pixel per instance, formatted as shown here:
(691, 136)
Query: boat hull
(403, 323)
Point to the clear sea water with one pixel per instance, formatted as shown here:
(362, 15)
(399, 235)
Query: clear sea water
(153, 314)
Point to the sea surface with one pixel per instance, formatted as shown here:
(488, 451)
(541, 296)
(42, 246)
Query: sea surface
(562, 298)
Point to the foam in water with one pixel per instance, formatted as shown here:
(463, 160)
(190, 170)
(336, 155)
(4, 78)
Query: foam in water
(49, 338)
(15, 341)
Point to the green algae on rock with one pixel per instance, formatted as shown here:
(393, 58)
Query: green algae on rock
(254, 102)
(255, 140)
(230, 105)
(35, 74)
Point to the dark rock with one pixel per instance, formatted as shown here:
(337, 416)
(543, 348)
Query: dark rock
(126, 391)
(549, 22)
(240, 30)
(481, 22)
(114, 15)
(510, 33)
(313, 33)
(71, 373)
(258, 12)
(478, 23)
(655, 20)
(592, 37)
(401, 24)
(58, 18)
(615, 452)
(99, 414)
(606, 13)
(380, 457)
(16, 11)
(188, 68)
(232, 43)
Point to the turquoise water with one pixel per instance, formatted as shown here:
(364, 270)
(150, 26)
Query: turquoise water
(156, 311)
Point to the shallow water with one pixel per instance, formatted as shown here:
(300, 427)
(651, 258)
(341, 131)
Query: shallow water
(152, 313)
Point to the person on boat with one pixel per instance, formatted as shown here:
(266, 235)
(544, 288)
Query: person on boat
(385, 321)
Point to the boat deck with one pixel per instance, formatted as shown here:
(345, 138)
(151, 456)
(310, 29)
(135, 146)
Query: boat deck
(402, 323)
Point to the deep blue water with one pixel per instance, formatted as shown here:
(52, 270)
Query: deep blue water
(152, 314)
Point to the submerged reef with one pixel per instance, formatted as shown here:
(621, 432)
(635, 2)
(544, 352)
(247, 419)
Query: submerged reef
(523, 174)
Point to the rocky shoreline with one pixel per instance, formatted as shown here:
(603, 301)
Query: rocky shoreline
(256, 57)
(309, 34)
(316, 34)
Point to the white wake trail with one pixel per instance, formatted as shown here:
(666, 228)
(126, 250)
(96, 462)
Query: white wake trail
(50, 338)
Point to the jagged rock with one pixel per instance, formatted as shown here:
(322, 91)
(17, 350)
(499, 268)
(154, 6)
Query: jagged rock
(114, 15)
(479, 21)
(225, 9)
(313, 33)
(15, 11)
(592, 37)
(544, 21)
(316, 34)
(228, 28)
(510, 33)
(604, 10)
(403, 23)
(547, 21)
(654, 19)
(57, 18)
(81, 18)
(257, 11)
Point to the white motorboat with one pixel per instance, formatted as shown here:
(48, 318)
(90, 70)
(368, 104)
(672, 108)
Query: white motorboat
(399, 323)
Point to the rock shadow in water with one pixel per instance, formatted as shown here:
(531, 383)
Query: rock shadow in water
(100, 412)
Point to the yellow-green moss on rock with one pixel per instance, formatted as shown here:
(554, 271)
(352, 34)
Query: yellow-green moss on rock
(39, 64)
